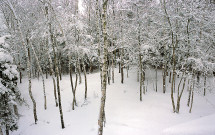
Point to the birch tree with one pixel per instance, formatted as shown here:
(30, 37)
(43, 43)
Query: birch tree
(101, 120)
(24, 44)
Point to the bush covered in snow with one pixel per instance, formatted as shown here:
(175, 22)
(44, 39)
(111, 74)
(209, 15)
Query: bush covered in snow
(9, 96)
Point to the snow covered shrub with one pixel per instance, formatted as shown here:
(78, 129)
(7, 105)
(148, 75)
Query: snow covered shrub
(9, 96)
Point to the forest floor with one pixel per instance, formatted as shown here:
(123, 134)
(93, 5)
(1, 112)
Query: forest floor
(125, 114)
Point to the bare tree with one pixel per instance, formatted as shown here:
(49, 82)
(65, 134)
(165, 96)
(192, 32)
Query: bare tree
(173, 56)
(27, 54)
(53, 43)
(104, 70)
(41, 72)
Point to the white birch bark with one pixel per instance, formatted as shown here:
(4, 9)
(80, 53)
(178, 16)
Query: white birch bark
(41, 72)
(27, 56)
(104, 71)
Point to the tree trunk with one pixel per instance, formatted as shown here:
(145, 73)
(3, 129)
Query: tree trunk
(122, 67)
(189, 96)
(164, 79)
(190, 90)
(52, 75)
(59, 66)
(174, 84)
(141, 75)
(74, 88)
(156, 70)
(28, 60)
(59, 99)
(140, 65)
(79, 70)
(170, 74)
(7, 130)
(20, 76)
(112, 68)
(198, 77)
(55, 90)
(50, 41)
(20, 69)
(98, 36)
(173, 80)
(60, 72)
(71, 80)
(174, 74)
(38, 75)
(144, 87)
(29, 86)
(41, 72)
(119, 67)
(191, 104)
(141, 85)
(104, 71)
(205, 85)
(180, 95)
(188, 84)
(173, 56)
(109, 74)
(53, 42)
(46, 73)
(85, 78)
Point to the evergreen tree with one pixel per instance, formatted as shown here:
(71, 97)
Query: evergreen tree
(9, 95)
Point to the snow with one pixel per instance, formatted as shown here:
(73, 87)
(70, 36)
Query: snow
(5, 57)
(125, 114)
(10, 71)
(201, 126)
(3, 89)
(146, 47)
(2, 41)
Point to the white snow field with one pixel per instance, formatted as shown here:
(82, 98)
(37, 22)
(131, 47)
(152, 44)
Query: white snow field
(201, 126)
(125, 114)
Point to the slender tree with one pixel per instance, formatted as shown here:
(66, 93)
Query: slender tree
(27, 54)
(104, 69)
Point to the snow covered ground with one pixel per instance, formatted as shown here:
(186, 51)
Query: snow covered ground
(201, 126)
(125, 114)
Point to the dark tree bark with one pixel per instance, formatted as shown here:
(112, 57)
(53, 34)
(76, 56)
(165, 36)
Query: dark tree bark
(20, 76)
(156, 70)
(170, 75)
(52, 40)
(191, 104)
(85, 79)
(29, 85)
(122, 66)
(7, 130)
(205, 78)
(57, 75)
(164, 78)
(180, 94)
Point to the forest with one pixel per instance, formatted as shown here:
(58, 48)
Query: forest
(107, 67)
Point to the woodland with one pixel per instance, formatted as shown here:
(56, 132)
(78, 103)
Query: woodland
(107, 67)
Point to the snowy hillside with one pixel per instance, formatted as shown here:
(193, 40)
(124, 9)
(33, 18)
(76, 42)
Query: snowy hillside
(125, 114)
